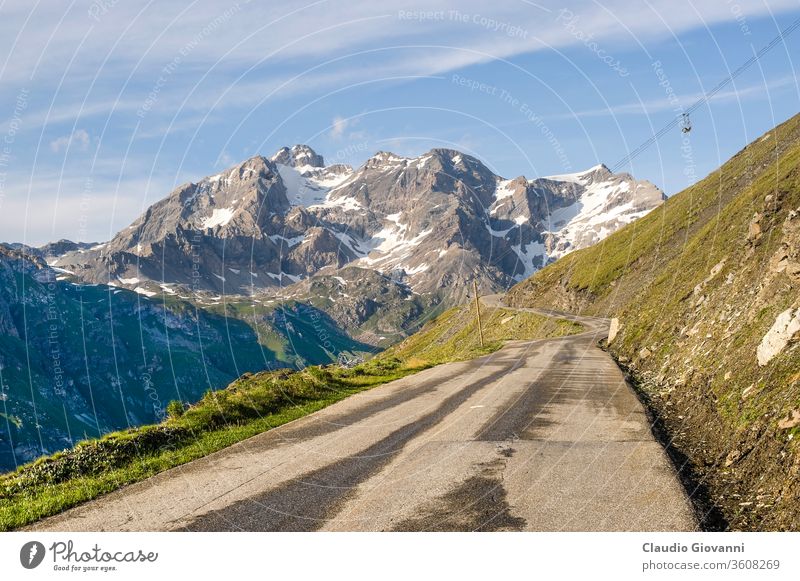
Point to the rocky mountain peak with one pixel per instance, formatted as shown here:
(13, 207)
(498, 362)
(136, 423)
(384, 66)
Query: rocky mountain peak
(454, 157)
(298, 156)
(598, 173)
(251, 187)
(383, 158)
(437, 160)
(63, 246)
(265, 221)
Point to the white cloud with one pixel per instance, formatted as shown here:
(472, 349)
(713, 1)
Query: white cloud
(338, 125)
(142, 41)
(79, 139)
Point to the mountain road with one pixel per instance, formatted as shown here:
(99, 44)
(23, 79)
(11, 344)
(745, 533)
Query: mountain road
(541, 435)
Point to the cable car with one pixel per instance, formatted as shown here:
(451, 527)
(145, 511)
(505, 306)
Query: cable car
(686, 123)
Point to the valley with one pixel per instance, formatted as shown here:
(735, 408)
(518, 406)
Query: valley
(276, 262)
(541, 435)
(693, 301)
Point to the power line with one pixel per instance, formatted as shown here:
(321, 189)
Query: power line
(702, 100)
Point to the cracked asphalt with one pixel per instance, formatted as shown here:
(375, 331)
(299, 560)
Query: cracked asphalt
(540, 436)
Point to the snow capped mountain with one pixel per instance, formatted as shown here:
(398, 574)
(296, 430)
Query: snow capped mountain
(433, 222)
(298, 156)
(606, 203)
(570, 211)
(305, 176)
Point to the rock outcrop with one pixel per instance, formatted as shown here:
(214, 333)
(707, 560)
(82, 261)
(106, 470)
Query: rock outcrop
(785, 330)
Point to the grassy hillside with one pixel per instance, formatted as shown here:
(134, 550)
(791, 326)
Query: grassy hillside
(453, 336)
(250, 405)
(79, 361)
(696, 285)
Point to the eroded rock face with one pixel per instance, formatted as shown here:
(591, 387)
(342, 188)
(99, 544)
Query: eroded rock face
(439, 220)
(754, 228)
(787, 257)
(613, 330)
(792, 420)
(783, 331)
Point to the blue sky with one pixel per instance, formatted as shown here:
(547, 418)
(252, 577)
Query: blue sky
(105, 106)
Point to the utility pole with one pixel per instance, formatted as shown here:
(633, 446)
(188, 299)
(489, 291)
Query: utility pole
(478, 309)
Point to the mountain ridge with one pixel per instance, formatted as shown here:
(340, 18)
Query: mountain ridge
(266, 221)
(250, 253)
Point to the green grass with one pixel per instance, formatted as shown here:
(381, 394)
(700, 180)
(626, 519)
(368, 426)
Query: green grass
(162, 350)
(249, 406)
(658, 277)
(453, 336)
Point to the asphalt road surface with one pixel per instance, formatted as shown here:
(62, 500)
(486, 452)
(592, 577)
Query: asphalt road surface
(539, 436)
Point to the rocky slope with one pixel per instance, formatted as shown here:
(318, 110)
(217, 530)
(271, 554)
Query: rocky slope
(82, 360)
(705, 293)
(373, 307)
(435, 222)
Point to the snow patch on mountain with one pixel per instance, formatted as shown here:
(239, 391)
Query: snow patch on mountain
(503, 191)
(128, 280)
(345, 203)
(281, 275)
(576, 178)
(281, 240)
(219, 217)
(498, 233)
(600, 210)
(390, 247)
(309, 186)
(531, 256)
(351, 243)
